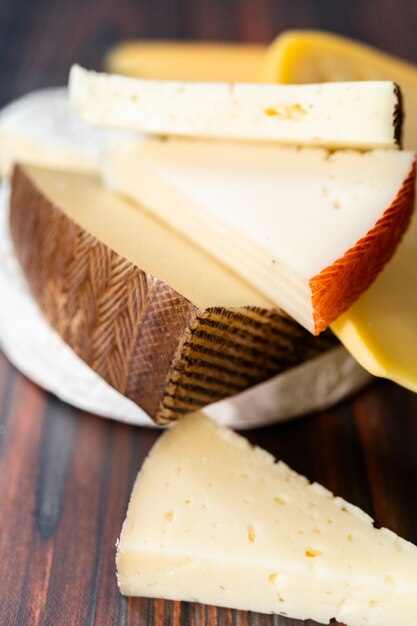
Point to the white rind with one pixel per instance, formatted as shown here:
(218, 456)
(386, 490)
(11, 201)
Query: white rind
(40, 353)
(354, 114)
(41, 127)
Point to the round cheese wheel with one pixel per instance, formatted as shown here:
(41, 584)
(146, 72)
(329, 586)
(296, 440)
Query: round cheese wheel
(40, 353)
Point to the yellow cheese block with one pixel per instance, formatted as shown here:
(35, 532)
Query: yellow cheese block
(380, 329)
(167, 60)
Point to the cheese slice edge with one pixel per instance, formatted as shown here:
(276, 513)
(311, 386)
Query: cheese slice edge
(362, 115)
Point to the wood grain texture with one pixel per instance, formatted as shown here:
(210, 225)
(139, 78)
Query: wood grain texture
(66, 476)
(145, 339)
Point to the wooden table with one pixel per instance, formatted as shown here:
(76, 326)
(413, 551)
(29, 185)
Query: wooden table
(65, 476)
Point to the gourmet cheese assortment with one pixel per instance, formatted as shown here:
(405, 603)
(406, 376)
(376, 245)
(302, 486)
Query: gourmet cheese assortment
(305, 380)
(187, 244)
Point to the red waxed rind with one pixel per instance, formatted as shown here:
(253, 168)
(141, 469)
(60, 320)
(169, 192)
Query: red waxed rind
(337, 287)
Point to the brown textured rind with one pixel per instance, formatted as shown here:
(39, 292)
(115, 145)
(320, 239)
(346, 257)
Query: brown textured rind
(145, 339)
(398, 118)
(337, 287)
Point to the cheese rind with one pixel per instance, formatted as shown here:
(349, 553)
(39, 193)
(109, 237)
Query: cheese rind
(213, 520)
(262, 211)
(380, 329)
(358, 115)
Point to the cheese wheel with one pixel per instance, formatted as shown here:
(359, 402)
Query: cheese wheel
(32, 345)
(136, 331)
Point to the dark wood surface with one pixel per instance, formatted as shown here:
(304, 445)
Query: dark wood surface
(66, 476)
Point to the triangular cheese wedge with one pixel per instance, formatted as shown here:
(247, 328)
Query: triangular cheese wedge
(359, 115)
(309, 229)
(214, 520)
(380, 329)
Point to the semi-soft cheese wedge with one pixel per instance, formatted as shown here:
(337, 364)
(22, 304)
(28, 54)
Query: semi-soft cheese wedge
(179, 60)
(309, 229)
(380, 329)
(360, 115)
(41, 128)
(212, 519)
(161, 321)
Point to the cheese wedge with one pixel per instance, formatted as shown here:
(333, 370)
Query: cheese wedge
(41, 128)
(359, 115)
(309, 229)
(380, 329)
(167, 60)
(162, 322)
(212, 519)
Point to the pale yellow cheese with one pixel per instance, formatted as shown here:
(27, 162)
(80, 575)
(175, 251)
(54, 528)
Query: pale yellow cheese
(128, 229)
(361, 115)
(380, 329)
(214, 520)
(174, 60)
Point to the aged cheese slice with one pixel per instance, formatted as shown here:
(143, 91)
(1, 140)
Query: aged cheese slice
(41, 128)
(159, 320)
(167, 60)
(310, 229)
(214, 520)
(380, 329)
(360, 115)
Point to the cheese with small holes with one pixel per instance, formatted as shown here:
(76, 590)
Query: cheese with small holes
(309, 229)
(380, 329)
(213, 520)
(190, 60)
(361, 115)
